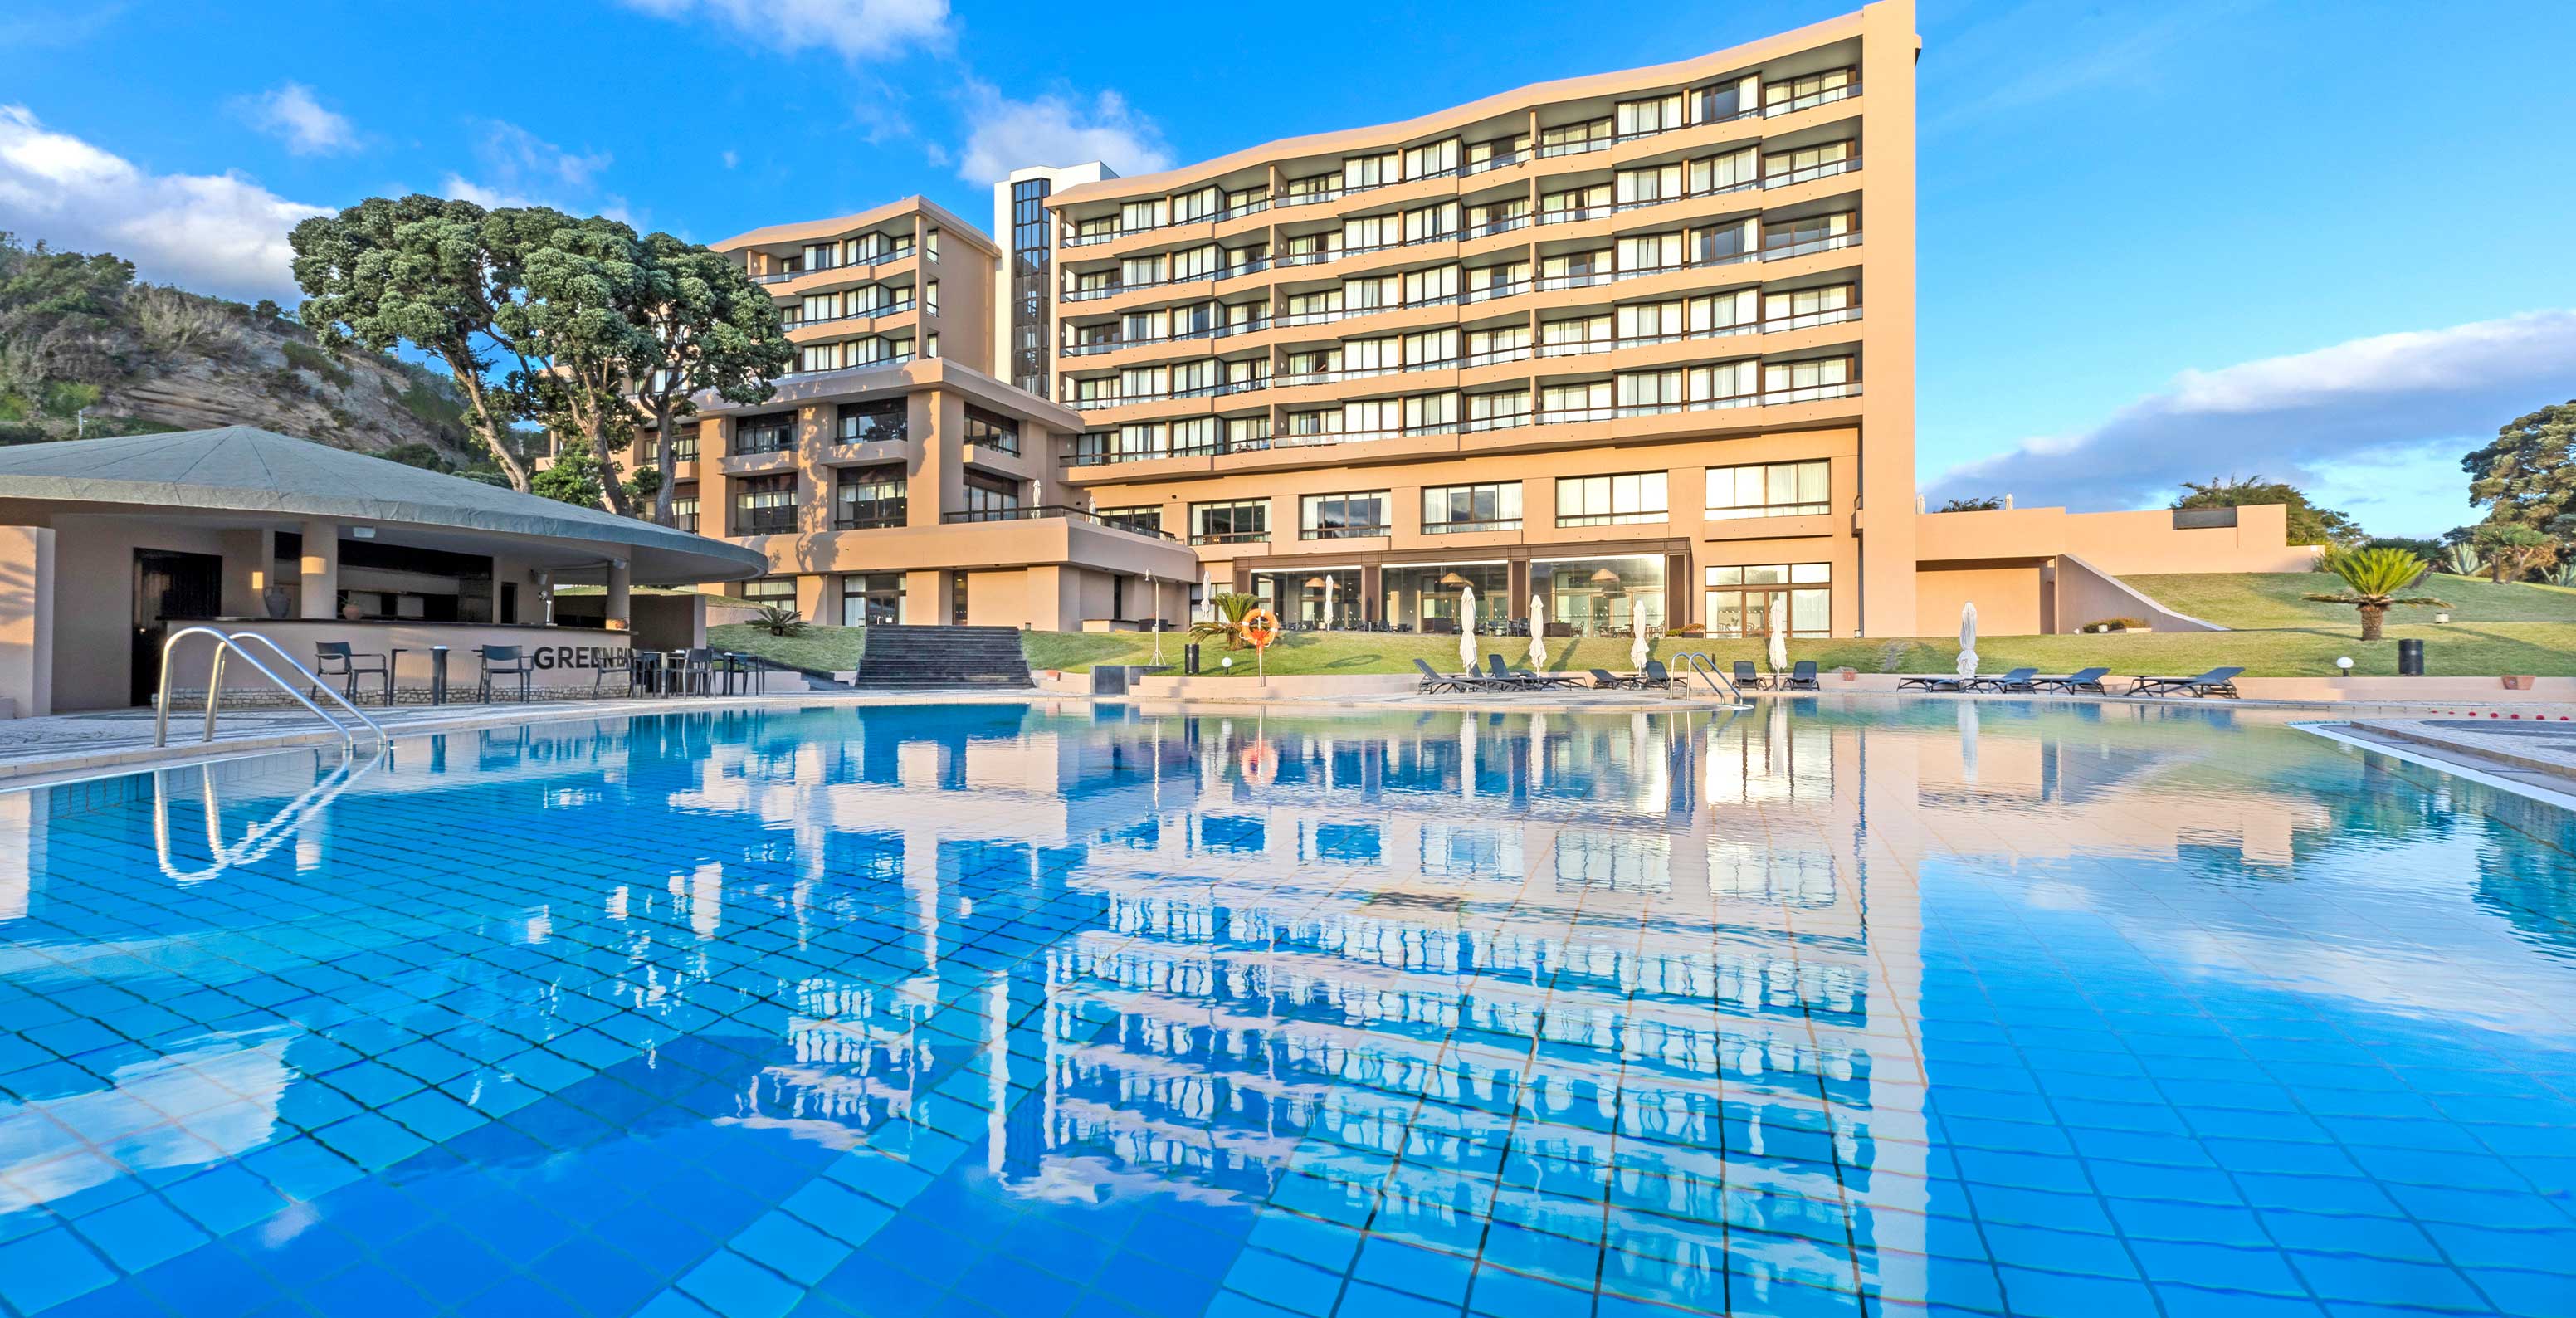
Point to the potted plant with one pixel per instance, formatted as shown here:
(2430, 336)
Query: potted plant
(1849, 674)
(2521, 682)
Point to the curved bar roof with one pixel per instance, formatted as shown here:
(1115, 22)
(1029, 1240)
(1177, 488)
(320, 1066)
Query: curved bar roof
(244, 473)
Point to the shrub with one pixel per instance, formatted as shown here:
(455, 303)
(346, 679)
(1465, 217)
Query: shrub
(2116, 625)
(782, 621)
(173, 320)
(313, 361)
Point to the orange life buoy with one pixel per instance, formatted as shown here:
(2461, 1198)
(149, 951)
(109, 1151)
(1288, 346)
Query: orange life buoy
(1261, 627)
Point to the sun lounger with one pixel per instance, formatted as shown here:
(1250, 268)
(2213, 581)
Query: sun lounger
(1656, 676)
(1933, 682)
(1749, 678)
(2019, 679)
(2215, 682)
(1498, 672)
(1605, 680)
(2087, 681)
(1802, 677)
(1434, 681)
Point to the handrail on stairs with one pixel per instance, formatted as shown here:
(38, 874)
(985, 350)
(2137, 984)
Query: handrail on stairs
(230, 643)
(1704, 664)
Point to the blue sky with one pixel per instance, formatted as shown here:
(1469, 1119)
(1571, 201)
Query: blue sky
(2158, 240)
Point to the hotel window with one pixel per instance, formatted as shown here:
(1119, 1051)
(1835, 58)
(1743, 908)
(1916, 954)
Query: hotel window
(1366, 231)
(1095, 283)
(1147, 518)
(1430, 348)
(930, 298)
(1808, 162)
(1368, 172)
(1813, 89)
(1650, 322)
(1447, 509)
(1508, 344)
(765, 505)
(1652, 116)
(1645, 393)
(1573, 139)
(1372, 417)
(1791, 382)
(1496, 280)
(818, 306)
(1561, 403)
(1725, 384)
(866, 497)
(1196, 435)
(1341, 516)
(1572, 338)
(820, 357)
(1189, 206)
(1241, 199)
(1431, 287)
(869, 423)
(775, 433)
(1431, 414)
(871, 599)
(1138, 440)
(992, 430)
(1644, 187)
(1743, 600)
(1135, 215)
(1726, 173)
(1427, 223)
(1196, 263)
(1432, 159)
(1142, 383)
(1247, 432)
(1574, 204)
(1654, 251)
(990, 498)
(1370, 356)
(930, 345)
(1242, 521)
(1730, 99)
(1146, 326)
(1496, 216)
(1312, 188)
(1193, 378)
(1307, 367)
(776, 591)
(1194, 320)
(1096, 229)
(930, 244)
(1574, 270)
(1102, 389)
(1718, 244)
(1814, 233)
(1610, 500)
(1308, 427)
(1371, 294)
(1498, 411)
(1807, 306)
(1250, 372)
(684, 507)
(822, 256)
(1719, 313)
(1136, 270)
(1496, 153)
(684, 445)
(1771, 489)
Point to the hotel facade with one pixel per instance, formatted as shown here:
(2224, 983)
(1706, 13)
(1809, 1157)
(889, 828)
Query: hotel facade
(1638, 347)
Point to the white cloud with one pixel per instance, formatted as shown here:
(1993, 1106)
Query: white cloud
(1004, 134)
(731, 159)
(518, 168)
(215, 233)
(854, 28)
(291, 115)
(2391, 401)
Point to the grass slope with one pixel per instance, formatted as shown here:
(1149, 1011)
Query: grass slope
(823, 649)
(2272, 599)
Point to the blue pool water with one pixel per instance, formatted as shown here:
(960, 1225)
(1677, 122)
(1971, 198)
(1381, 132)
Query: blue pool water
(1034, 1011)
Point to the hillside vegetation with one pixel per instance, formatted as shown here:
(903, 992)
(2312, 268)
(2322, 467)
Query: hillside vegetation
(79, 335)
(2273, 599)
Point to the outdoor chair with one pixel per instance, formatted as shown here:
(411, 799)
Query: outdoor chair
(1657, 677)
(336, 659)
(1748, 677)
(697, 675)
(1802, 677)
(1933, 682)
(2215, 682)
(2088, 681)
(1496, 670)
(2019, 679)
(1434, 681)
(503, 661)
(1605, 680)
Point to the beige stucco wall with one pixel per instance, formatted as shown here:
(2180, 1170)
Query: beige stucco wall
(2010, 599)
(26, 621)
(2120, 543)
(94, 601)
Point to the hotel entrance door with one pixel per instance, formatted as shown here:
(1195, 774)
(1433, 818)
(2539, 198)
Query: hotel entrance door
(169, 586)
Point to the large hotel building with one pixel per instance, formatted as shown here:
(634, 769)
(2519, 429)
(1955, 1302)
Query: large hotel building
(1639, 345)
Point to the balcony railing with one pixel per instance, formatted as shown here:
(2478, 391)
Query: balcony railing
(877, 519)
(1232, 538)
(871, 313)
(896, 360)
(1749, 511)
(1344, 532)
(1049, 512)
(1504, 161)
(1454, 528)
(1813, 99)
(1810, 173)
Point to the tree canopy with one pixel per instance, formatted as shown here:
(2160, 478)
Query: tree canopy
(579, 324)
(1984, 504)
(2524, 476)
(2309, 524)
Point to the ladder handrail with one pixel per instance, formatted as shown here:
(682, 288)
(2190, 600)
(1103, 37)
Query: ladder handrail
(317, 684)
(1704, 664)
(225, 643)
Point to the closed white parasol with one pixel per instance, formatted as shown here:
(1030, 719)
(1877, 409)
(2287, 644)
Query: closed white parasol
(1779, 655)
(1538, 635)
(1968, 639)
(1467, 628)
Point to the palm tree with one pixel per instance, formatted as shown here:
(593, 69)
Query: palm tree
(1232, 608)
(2372, 578)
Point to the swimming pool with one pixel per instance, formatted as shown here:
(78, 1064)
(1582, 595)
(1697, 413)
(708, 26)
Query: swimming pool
(1037, 1010)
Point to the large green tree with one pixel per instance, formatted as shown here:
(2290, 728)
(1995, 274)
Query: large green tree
(2309, 524)
(2513, 551)
(2372, 579)
(2525, 475)
(575, 321)
(430, 272)
(708, 329)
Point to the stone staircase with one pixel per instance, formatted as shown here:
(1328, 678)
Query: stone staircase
(943, 656)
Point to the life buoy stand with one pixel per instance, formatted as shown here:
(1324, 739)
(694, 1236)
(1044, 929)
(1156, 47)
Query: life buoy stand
(1261, 627)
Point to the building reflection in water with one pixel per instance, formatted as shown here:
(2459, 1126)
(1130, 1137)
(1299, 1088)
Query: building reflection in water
(1634, 1001)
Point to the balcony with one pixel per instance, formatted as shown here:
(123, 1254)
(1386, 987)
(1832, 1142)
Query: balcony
(1051, 511)
(877, 516)
(1232, 538)
(1811, 173)
(1812, 99)
(1345, 532)
(871, 313)
(896, 360)
(1461, 528)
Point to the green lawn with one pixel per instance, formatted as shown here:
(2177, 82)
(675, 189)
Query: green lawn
(823, 649)
(2495, 630)
(2272, 599)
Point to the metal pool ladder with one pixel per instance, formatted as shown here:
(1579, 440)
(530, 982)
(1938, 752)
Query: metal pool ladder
(1701, 663)
(230, 643)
